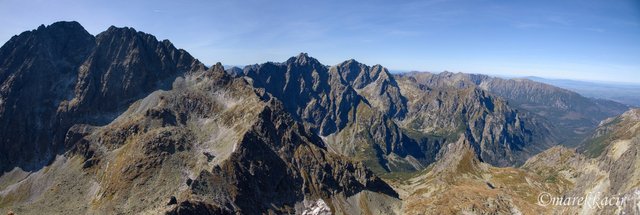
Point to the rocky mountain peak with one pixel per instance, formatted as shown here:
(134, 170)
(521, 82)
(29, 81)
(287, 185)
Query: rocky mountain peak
(359, 75)
(217, 68)
(303, 59)
(36, 73)
(632, 114)
(68, 26)
(350, 70)
(126, 34)
(217, 72)
(60, 38)
(113, 29)
(351, 62)
(374, 83)
(60, 75)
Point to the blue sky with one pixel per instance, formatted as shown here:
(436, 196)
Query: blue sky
(574, 39)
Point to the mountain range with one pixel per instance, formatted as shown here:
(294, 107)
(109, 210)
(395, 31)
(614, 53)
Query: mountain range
(626, 93)
(120, 122)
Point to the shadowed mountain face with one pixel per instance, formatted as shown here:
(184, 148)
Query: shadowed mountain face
(328, 100)
(500, 134)
(60, 75)
(323, 96)
(36, 74)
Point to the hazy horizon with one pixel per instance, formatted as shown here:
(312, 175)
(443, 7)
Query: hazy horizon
(588, 41)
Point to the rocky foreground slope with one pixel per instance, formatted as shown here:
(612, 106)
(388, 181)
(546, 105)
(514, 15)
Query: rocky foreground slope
(608, 183)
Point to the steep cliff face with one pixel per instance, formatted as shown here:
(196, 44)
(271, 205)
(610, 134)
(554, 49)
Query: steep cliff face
(397, 123)
(574, 115)
(375, 84)
(37, 72)
(501, 134)
(291, 167)
(124, 66)
(325, 96)
(60, 75)
(351, 105)
(607, 165)
(619, 139)
(308, 91)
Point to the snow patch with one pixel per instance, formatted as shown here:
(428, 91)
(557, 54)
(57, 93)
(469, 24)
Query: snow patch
(515, 211)
(319, 207)
(619, 148)
(596, 192)
(637, 199)
(225, 98)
